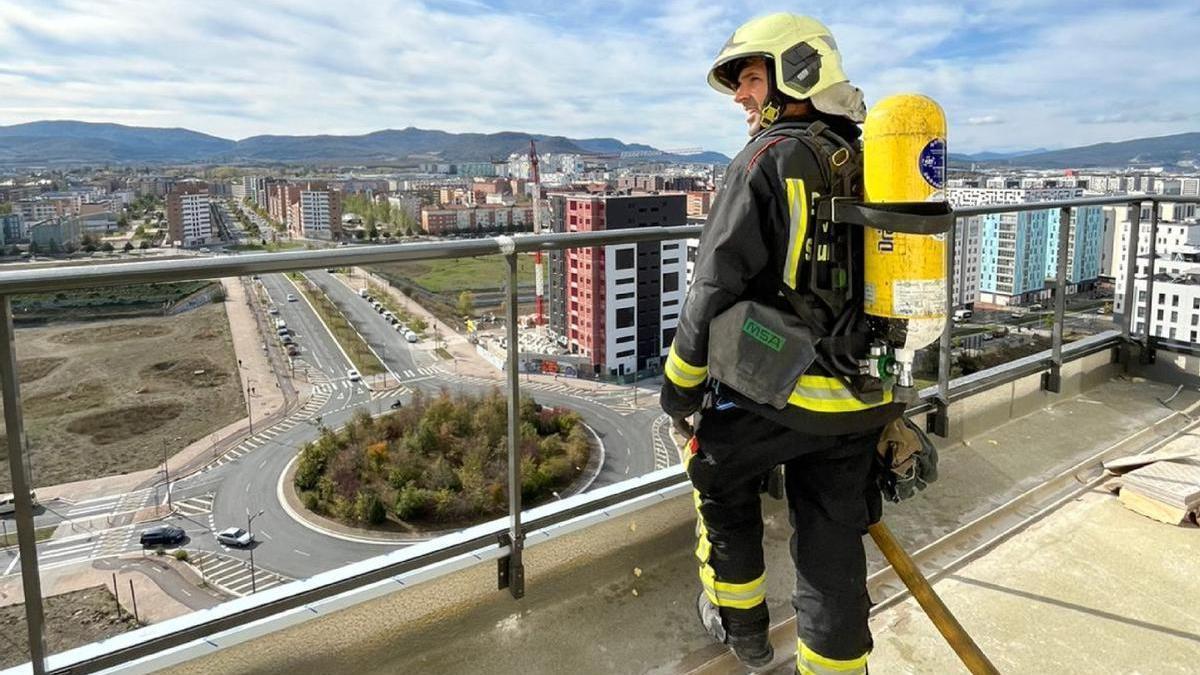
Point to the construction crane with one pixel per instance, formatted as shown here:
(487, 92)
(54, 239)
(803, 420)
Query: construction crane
(538, 277)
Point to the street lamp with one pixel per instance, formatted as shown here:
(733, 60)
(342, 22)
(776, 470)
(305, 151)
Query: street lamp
(249, 524)
(249, 410)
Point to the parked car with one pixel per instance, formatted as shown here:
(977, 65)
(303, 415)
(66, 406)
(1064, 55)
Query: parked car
(396, 405)
(1036, 307)
(362, 293)
(286, 339)
(235, 536)
(353, 375)
(291, 298)
(411, 336)
(293, 350)
(8, 501)
(163, 535)
(273, 310)
(282, 331)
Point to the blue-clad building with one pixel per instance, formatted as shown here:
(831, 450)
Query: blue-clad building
(10, 229)
(1019, 252)
(1083, 246)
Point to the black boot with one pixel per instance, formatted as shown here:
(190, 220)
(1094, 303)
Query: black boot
(753, 651)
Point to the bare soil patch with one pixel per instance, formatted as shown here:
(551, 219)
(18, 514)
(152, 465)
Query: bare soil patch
(81, 397)
(78, 431)
(193, 372)
(31, 370)
(112, 425)
(119, 332)
(72, 620)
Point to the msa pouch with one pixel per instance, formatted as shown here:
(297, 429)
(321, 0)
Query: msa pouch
(760, 351)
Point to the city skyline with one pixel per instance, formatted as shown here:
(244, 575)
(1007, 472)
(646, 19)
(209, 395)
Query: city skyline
(1012, 76)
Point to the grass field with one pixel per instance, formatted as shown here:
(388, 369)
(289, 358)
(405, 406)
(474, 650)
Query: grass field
(471, 274)
(269, 248)
(8, 537)
(110, 397)
(89, 304)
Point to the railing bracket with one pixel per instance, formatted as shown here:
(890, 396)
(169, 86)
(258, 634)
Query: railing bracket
(510, 570)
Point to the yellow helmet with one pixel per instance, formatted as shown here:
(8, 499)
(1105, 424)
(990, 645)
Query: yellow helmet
(805, 63)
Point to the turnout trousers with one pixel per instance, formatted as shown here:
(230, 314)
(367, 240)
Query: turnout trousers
(831, 499)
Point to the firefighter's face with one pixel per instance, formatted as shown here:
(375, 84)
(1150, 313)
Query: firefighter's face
(751, 91)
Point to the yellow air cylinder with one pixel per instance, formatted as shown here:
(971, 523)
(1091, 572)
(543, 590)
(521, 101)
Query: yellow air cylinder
(904, 160)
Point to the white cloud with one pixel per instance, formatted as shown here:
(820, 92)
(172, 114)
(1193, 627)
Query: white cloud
(623, 69)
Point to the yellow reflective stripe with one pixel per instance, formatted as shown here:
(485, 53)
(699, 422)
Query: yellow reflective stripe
(703, 545)
(683, 373)
(797, 230)
(737, 596)
(827, 394)
(809, 662)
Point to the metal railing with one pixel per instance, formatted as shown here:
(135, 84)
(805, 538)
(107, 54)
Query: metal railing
(499, 539)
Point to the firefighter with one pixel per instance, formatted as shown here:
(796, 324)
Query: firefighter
(763, 242)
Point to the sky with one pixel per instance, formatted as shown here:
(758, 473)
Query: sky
(1011, 74)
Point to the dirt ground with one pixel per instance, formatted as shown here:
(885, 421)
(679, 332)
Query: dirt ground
(72, 619)
(108, 397)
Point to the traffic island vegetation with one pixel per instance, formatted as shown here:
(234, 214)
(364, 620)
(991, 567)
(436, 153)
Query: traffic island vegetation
(360, 354)
(439, 462)
(415, 323)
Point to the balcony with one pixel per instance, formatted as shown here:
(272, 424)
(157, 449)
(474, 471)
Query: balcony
(603, 581)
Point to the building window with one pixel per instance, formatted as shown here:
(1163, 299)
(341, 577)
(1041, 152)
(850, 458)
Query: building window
(1159, 315)
(670, 282)
(627, 338)
(628, 352)
(668, 317)
(625, 259)
(1174, 300)
(624, 296)
(668, 336)
(1174, 317)
(625, 317)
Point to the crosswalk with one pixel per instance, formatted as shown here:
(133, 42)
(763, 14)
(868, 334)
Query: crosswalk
(113, 505)
(194, 506)
(231, 575)
(620, 402)
(320, 397)
(665, 451)
(115, 541)
(391, 393)
(421, 372)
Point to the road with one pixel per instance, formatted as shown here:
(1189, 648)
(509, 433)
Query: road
(244, 480)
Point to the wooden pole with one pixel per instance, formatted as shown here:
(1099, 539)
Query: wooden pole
(962, 644)
(117, 595)
(133, 595)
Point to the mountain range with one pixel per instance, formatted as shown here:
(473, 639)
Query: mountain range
(71, 142)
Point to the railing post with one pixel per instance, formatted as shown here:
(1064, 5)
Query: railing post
(1129, 311)
(938, 421)
(1147, 355)
(511, 569)
(26, 541)
(1052, 380)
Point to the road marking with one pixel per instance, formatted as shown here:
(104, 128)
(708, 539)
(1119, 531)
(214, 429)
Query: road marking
(11, 565)
(247, 488)
(302, 553)
(265, 535)
(184, 591)
(263, 465)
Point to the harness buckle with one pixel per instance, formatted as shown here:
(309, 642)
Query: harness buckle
(839, 157)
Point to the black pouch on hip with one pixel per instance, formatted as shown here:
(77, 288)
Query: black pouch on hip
(760, 351)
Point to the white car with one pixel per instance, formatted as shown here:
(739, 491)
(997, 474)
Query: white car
(235, 536)
(273, 310)
(353, 375)
(291, 298)
(410, 336)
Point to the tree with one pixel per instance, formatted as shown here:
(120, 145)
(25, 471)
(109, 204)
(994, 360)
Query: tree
(53, 247)
(87, 240)
(34, 249)
(14, 251)
(128, 247)
(69, 247)
(466, 303)
(107, 247)
(144, 245)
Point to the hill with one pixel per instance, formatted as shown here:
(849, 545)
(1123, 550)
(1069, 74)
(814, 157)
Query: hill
(70, 142)
(1155, 151)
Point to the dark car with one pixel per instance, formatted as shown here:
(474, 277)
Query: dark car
(163, 535)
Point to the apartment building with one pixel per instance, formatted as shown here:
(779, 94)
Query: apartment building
(189, 215)
(1004, 259)
(1176, 231)
(618, 305)
(11, 229)
(316, 213)
(462, 219)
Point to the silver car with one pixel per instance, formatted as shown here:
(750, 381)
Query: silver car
(235, 536)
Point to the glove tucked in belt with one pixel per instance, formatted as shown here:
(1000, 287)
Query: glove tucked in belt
(907, 460)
